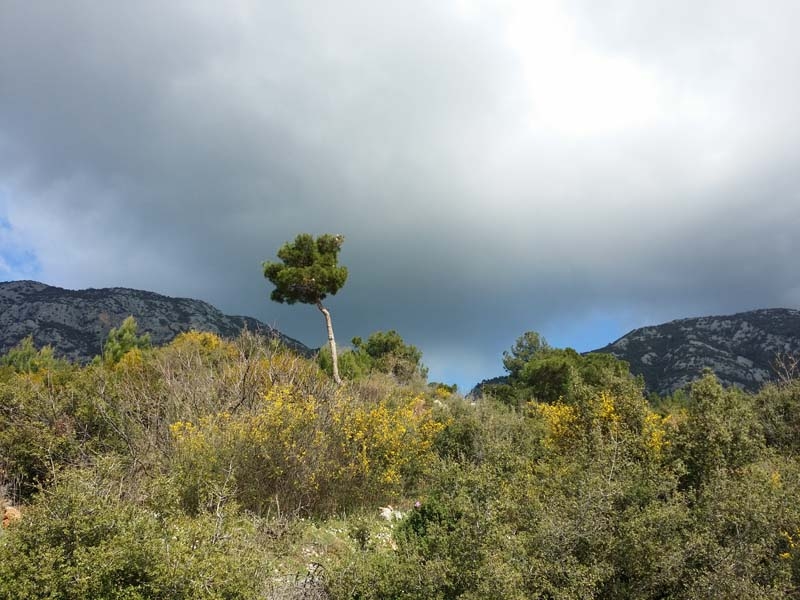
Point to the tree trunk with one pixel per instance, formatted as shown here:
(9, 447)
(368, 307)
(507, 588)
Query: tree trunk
(326, 313)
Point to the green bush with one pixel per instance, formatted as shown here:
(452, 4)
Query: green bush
(25, 358)
(123, 339)
(83, 539)
(721, 431)
(778, 408)
(383, 352)
(40, 428)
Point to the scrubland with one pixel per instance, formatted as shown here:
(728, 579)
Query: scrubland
(213, 468)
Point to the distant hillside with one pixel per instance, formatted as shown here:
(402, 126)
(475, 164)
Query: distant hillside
(76, 322)
(740, 348)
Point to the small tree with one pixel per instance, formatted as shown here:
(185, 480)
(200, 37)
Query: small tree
(25, 358)
(529, 345)
(391, 354)
(123, 339)
(309, 271)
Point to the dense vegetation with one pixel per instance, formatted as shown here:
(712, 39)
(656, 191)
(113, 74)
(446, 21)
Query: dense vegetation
(234, 469)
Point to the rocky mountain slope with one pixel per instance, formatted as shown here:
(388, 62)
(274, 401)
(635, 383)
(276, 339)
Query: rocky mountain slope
(75, 322)
(741, 348)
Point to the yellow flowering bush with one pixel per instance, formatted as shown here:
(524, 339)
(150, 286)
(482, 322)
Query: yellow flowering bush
(789, 547)
(296, 452)
(560, 421)
(600, 419)
(655, 433)
(382, 447)
(203, 342)
(605, 407)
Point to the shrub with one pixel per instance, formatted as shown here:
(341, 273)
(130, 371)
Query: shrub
(528, 505)
(38, 428)
(123, 340)
(25, 358)
(304, 454)
(721, 432)
(83, 539)
(383, 352)
(778, 409)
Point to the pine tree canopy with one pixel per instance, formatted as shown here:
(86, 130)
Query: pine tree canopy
(308, 270)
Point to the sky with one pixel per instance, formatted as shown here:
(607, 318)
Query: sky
(570, 167)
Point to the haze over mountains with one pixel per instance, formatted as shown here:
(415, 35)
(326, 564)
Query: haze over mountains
(740, 349)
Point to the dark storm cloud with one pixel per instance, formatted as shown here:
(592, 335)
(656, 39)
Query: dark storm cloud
(494, 167)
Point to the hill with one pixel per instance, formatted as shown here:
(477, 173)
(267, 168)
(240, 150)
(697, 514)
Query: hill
(740, 348)
(75, 322)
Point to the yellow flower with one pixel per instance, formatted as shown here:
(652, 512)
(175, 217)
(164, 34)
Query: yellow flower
(559, 418)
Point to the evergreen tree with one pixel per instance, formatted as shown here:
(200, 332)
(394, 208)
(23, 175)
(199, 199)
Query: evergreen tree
(307, 273)
(25, 358)
(527, 346)
(123, 339)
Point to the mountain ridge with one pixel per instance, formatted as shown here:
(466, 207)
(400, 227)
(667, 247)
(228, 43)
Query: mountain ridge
(740, 348)
(76, 322)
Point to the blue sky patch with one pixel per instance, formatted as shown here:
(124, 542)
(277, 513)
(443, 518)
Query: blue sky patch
(17, 259)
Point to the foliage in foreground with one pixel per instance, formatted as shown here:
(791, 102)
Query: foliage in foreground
(604, 499)
(82, 538)
(233, 469)
(306, 454)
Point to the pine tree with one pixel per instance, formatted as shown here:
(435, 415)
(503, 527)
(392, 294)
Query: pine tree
(307, 273)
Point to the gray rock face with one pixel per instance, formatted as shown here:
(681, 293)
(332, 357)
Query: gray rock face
(76, 322)
(741, 349)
